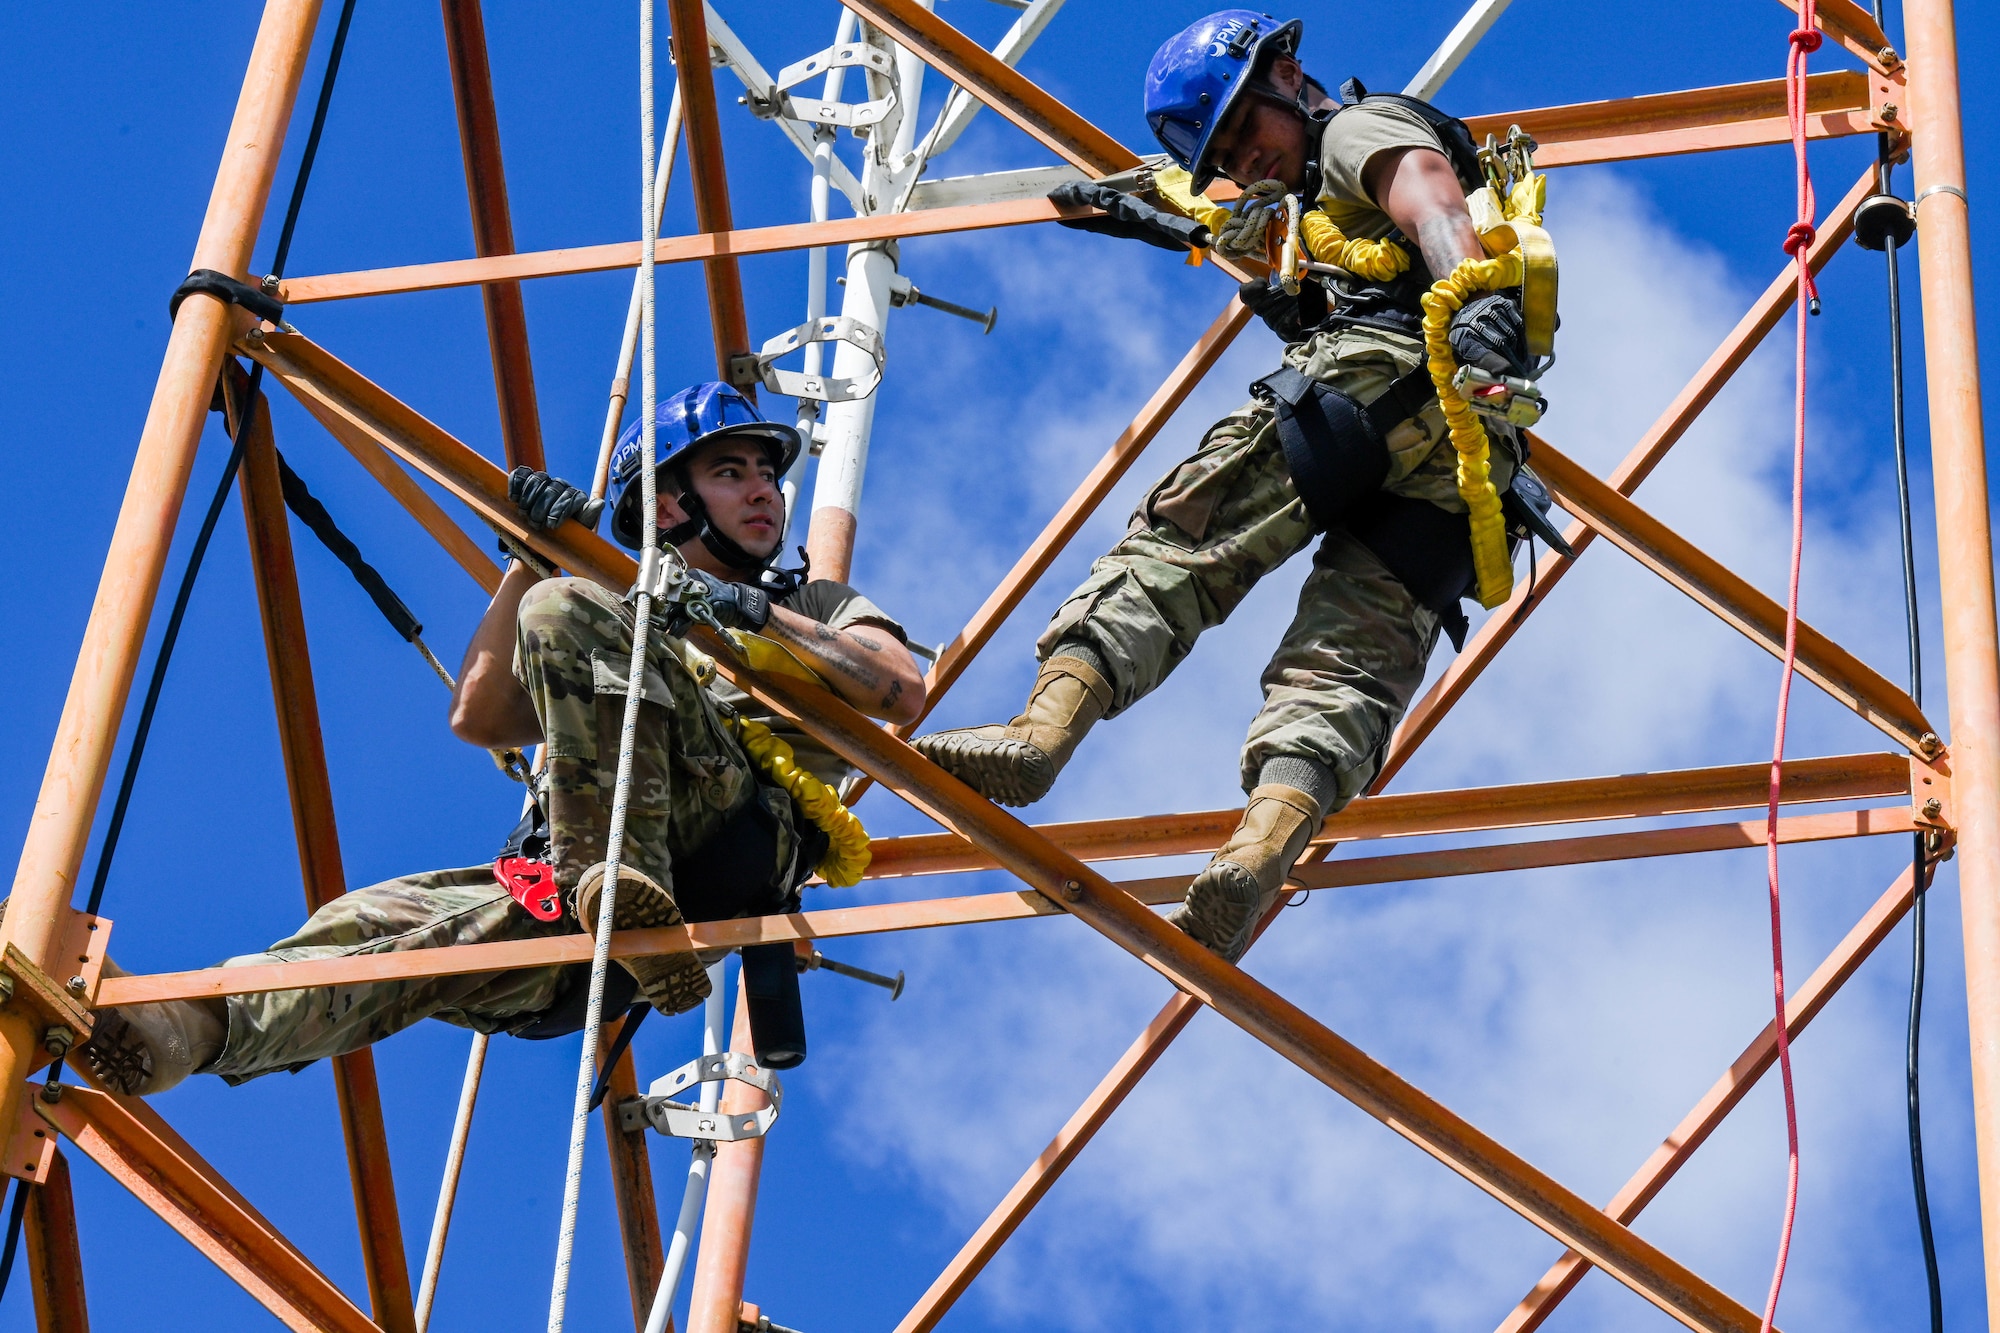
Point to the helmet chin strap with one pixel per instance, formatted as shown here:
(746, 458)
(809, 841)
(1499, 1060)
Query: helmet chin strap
(700, 523)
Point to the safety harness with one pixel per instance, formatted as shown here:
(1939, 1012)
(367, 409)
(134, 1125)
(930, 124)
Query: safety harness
(1335, 446)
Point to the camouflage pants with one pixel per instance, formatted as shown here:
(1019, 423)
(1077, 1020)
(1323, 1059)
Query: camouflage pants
(1355, 653)
(572, 654)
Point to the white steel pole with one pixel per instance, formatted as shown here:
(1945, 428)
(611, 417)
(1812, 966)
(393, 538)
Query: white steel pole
(1444, 61)
(844, 461)
(822, 165)
(702, 1155)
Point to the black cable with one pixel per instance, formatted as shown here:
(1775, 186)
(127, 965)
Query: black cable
(165, 653)
(1919, 861)
(312, 513)
(1913, 1040)
(15, 1215)
(633, 1018)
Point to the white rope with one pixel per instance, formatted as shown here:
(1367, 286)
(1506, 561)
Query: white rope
(614, 847)
(475, 1064)
(699, 1160)
(628, 347)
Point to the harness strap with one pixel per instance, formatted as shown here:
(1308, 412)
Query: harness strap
(1336, 448)
(1338, 454)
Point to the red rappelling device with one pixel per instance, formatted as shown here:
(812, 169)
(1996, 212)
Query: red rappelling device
(532, 884)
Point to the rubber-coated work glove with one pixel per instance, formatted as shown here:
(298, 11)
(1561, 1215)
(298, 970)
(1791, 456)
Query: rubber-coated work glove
(1487, 332)
(547, 502)
(1127, 216)
(1292, 318)
(1250, 219)
(736, 605)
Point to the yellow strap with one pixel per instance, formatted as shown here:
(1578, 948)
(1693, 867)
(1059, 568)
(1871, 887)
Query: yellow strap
(1378, 261)
(1468, 435)
(764, 654)
(1176, 187)
(847, 851)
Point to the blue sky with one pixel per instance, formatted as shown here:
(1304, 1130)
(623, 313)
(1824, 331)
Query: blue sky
(1574, 1014)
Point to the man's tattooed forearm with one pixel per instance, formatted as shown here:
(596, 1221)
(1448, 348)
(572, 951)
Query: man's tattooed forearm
(1444, 240)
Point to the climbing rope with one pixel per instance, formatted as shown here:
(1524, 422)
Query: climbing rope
(164, 654)
(649, 559)
(1804, 40)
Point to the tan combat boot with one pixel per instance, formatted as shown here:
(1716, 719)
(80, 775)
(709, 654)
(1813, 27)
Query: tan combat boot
(1016, 764)
(1233, 891)
(141, 1049)
(672, 983)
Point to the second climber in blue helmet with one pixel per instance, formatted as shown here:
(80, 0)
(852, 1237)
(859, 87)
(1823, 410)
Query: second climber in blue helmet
(1344, 444)
(710, 834)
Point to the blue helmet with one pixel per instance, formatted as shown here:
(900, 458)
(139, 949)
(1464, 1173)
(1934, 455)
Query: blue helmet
(1196, 77)
(689, 419)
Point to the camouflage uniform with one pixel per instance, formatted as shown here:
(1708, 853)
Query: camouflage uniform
(573, 649)
(1355, 653)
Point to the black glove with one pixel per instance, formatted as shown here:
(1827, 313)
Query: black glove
(1127, 216)
(547, 502)
(1292, 318)
(1487, 332)
(736, 605)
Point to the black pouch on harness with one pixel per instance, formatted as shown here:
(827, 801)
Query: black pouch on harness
(1338, 454)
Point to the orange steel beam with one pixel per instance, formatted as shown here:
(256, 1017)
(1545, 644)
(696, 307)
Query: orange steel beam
(1854, 28)
(492, 229)
(471, 556)
(304, 750)
(1075, 512)
(87, 733)
(1717, 371)
(1701, 120)
(715, 1297)
(999, 85)
(928, 913)
(707, 178)
(1047, 1168)
(143, 1154)
(1965, 564)
(673, 250)
(1755, 615)
(55, 1259)
(1722, 1097)
(1720, 367)
(1463, 810)
(632, 1189)
(1288, 1030)
(1082, 503)
(1693, 121)
(1115, 1086)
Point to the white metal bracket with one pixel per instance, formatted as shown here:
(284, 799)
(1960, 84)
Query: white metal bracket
(682, 1121)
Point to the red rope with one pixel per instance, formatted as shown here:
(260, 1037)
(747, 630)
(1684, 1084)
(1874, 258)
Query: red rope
(1798, 240)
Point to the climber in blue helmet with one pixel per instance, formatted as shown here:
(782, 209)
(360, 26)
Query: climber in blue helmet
(710, 834)
(1344, 445)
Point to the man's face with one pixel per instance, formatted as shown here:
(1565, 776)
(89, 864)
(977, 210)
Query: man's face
(735, 479)
(1263, 140)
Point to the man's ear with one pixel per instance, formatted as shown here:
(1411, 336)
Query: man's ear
(671, 513)
(1285, 74)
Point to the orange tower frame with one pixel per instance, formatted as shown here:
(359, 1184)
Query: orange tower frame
(1919, 785)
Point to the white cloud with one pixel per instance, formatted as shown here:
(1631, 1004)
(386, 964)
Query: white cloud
(1574, 1013)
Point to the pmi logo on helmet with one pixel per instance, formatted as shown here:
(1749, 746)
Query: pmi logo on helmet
(1232, 39)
